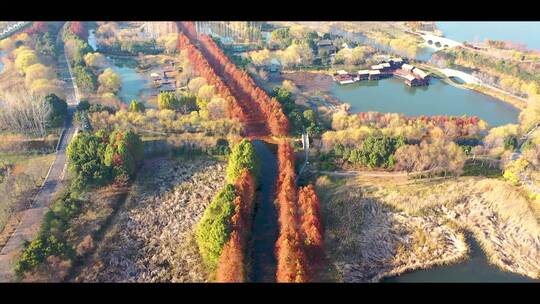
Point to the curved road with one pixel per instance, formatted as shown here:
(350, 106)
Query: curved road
(32, 218)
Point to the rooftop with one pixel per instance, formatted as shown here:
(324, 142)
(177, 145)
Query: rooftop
(420, 73)
(324, 42)
(407, 67)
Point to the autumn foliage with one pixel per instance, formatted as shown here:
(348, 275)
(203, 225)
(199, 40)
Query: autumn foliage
(38, 27)
(310, 228)
(300, 241)
(231, 262)
(291, 262)
(251, 105)
(78, 28)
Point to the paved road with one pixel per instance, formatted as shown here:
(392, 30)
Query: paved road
(32, 218)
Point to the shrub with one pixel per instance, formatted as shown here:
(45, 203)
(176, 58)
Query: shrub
(243, 156)
(51, 238)
(377, 151)
(214, 229)
(59, 110)
(514, 169)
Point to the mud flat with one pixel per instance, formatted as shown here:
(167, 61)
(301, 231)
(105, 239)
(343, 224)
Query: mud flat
(153, 240)
(310, 82)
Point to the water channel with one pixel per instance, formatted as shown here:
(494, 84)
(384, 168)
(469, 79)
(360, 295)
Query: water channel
(265, 225)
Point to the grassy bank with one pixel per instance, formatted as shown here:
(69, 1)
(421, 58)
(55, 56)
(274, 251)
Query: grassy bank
(508, 98)
(21, 175)
(498, 214)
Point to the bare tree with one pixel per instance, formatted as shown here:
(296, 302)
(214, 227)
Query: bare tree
(24, 113)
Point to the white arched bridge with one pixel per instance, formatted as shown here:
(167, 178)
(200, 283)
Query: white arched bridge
(467, 78)
(439, 42)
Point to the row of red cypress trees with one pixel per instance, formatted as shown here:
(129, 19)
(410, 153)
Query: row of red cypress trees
(300, 241)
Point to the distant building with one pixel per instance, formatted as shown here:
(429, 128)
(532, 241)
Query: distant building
(324, 42)
(326, 47)
(363, 75)
(420, 73)
(396, 62)
(374, 75)
(407, 67)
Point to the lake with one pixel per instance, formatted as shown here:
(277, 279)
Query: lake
(135, 85)
(475, 268)
(521, 32)
(392, 95)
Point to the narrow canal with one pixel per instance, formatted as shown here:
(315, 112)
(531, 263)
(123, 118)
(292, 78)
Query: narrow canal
(265, 225)
(474, 269)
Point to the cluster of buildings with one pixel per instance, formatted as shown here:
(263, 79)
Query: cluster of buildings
(412, 75)
(165, 81)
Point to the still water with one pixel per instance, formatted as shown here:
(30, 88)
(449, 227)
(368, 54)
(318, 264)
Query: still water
(393, 96)
(527, 33)
(475, 268)
(135, 85)
(92, 40)
(265, 227)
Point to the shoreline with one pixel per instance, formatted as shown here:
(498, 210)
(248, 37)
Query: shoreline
(325, 88)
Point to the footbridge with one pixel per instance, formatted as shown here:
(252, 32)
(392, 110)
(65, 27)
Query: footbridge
(439, 42)
(467, 78)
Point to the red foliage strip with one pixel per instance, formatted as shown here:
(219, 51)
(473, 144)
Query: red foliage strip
(260, 110)
(38, 27)
(231, 261)
(291, 259)
(78, 28)
(311, 228)
(205, 70)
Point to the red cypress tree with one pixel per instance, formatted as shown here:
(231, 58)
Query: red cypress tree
(78, 28)
(231, 261)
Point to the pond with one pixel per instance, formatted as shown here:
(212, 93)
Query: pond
(392, 95)
(520, 32)
(475, 268)
(92, 39)
(135, 85)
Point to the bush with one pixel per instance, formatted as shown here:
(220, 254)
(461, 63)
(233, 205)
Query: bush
(377, 151)
(514, 169)
(243, 156)
(510, 142)
(214, 229)
(84, 78)
(58, 112)
(51, 238)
